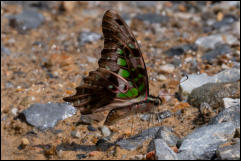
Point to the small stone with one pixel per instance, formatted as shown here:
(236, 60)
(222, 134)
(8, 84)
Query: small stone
(145, 117)
(91, 128)
(81, 156)
(14, 111)
(105, 131)
(28, 19)
(24, 142)
(85, 119)
(164, 114)
(75, 134)
(161, 77)
(5, 50)
(88, 37)
(167, 68)
(219, 50)
(210, 42)
(137, 157)
(91, 59)
(152, 18)
(182, 49)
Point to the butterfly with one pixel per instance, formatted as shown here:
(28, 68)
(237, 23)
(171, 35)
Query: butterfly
(120, 84)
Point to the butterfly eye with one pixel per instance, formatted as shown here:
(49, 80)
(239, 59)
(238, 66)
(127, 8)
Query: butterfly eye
(156, 102)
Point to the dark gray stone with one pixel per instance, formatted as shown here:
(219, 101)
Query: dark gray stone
(219, 50)
(227, 20)
(166, 135)
(163, 152)
(88, 37)
(203, 142)
(85, 120)
(152, 18)
(195, 81)
(136, 141)
(4, 50)
(180, 50)
(213, 94)
(231, 152)
(231, 114)
(210, 42)
(28, 19)
(163, 115)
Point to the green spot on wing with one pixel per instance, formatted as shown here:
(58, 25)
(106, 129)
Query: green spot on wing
(136, 79)
(124, 73)
(130, 93)
(121, 62)
(119, 51)
(140, 75)
(121, 95)
(131, 46)
(134, 92)
(141, 87)
(106, 67)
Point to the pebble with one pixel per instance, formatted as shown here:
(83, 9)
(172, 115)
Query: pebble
(91, 128)
(24, 142)
(76, 134)
(105, 131)
(167, 68)
(161, 77)
(210, 42)
(4, 50)
(145, 117)
(85, 120)
(14, 111)
(26, 20)
(219, 50)
(152, 18)
(162, 151)
(91, 59)
(81, 156)
(88, 37)
(180, 50)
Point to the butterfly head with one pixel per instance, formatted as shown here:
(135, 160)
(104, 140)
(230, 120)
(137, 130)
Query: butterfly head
(155, 100)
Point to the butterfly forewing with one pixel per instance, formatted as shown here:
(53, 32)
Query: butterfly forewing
(121, 74)
(121, 47)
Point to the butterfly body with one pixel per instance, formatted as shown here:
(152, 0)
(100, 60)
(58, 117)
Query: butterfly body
(120, 83)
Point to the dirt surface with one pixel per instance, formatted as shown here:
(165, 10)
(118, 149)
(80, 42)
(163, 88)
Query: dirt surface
(47, 63)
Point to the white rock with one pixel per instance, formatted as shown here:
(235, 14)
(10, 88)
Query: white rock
(209, 42)
(168, 68)
(228, 102)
